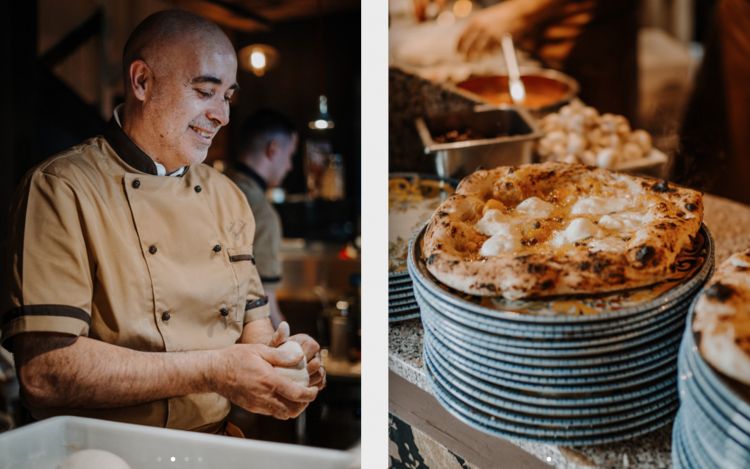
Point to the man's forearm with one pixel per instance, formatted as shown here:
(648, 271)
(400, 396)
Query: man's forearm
(92, 374)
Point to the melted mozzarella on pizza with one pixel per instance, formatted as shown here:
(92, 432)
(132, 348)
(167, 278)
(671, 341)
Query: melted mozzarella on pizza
(534, 207)
(578, 229)
(604, 221)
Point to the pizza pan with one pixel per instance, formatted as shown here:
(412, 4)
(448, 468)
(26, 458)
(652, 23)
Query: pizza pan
(639, 354)
(421, 276)
(485, 423)
(669, 326)
(584, 406)
(560, 332)
(617, 400)
(607, 372)
(543, 419)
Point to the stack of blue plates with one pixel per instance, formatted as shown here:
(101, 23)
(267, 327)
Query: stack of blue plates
(602, 370)
(712, 429)
(401, 302)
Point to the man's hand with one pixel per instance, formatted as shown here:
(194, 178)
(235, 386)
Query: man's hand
(247, 378)
(312, 353)
(486, 28)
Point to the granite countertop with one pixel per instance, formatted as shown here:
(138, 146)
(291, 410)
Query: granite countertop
(729, 223)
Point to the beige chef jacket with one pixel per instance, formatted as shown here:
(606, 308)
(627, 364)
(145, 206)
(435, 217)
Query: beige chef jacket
(107, 249)
(267, 226)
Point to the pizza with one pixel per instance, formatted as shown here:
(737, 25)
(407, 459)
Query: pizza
(556, 229)
(722, 317)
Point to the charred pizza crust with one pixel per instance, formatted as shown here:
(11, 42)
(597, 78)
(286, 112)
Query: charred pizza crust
(722, 317)
(555, 228)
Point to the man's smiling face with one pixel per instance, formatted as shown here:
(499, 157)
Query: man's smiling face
(189, 102)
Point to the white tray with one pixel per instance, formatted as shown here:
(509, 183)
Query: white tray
(45, 444)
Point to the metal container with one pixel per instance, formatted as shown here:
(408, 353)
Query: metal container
(507, 138)
(546, 90)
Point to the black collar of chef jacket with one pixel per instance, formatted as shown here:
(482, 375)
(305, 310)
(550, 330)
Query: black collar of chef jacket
(128, 150)
(247, 170)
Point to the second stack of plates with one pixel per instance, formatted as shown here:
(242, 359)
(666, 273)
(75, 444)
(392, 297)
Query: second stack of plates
(401, 302)
(712, 429)
(604, 371)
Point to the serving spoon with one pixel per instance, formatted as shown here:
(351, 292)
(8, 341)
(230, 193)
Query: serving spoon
(517, 90)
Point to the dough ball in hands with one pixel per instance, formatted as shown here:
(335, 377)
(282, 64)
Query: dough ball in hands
(298, 373)
(94, 459)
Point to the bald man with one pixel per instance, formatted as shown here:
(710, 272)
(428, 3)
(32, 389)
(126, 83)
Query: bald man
(134, 295)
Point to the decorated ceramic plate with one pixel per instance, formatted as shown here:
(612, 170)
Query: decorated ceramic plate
(694, 267)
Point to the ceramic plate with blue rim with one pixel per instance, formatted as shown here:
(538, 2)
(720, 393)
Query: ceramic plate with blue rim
(680, 457)
(401, 288)
(673, 326)
(714, 385)
(403, 317)
(403, 303)
(723, 427)
(498, 406)
(534, 403)
(544, 335)
(559, 332)
(639, 355)
(482, 423)
(695, 452)
(693, 271)
(668, 352)
(524, 382)
(566, 390)
(499, 418)
(713, 404)
(401, 297)
(483, 395)
(712, 439)
(544, 345)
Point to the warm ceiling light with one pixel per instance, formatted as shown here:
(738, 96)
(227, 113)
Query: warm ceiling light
(258, 58)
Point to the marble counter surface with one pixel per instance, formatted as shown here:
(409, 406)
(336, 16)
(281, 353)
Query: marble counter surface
(729, 223)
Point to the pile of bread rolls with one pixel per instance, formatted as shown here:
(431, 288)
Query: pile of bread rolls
(579, 134)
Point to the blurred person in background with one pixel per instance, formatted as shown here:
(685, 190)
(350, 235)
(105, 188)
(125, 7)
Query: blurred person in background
(714, 152)
(267, 142)
(594, 41)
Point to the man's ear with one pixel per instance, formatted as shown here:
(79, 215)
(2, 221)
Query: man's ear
(272, 148)
(141, 79)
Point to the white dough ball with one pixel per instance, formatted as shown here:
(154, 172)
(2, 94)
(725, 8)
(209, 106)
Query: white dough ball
(93, 459)
(631, 151)
(576, 144)
(606, 158)
(643, 139)
(297, 373)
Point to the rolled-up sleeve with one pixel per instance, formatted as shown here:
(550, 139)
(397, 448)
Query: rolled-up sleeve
(50, 283)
